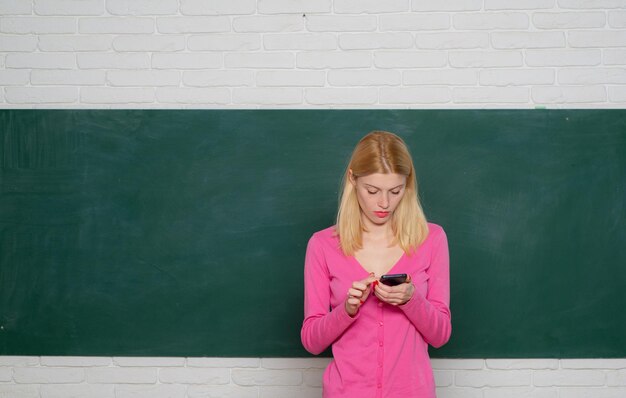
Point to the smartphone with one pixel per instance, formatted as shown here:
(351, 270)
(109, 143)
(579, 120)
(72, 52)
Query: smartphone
(393, 279)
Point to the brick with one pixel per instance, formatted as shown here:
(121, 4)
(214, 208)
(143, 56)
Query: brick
(491, 21)
(37, 25)
(290, 392)
(414, 22)
(294, 6)
(75, 361)
(267, 96)
(18, 43)
(591, 76)
(186, 61)
(224, 362)
(443, 378)
(182, 95)
(370, 6)
(295, 363)
(602, 392)
(605, 363)
(518, 5)
(152, 391)
(617, 19)
(410, 59)
(616, 378)
(614, 57)
(134, 78)
(18, 391)
(290, 78)
(47, 375)
(269, 23)
(460, 364)
(486, 59)
(365, 41)
(313, 377)
(558, 95)
(194, 376)
(222, 392)
(193, 24)
(142, 7)
(444, 41)
(73, 43)
(507, 364)
(512, 40)
(332, 96)
(563, 57)
(492, 378)
(15, 7)
(333, 59)
(119, 375)
(224, 78)
(452, 77)
(217, 7)
(109, 95)
(364, 78)
(225, 42)
(50, 77)
(259, 60)
(334, 23)
(496, 95)
(18, 361)
(300, 41)
(77, 391)
(453, 392)
(613, 38)
(153, 43)
(450, 5)
(515, 77)
(569, 378)
(69, 7)
(569, 20)
(162, 362)
(113, 61)
(6, 373)
(131, 25)
(586, 4)
(266, 377)
(41, 61)
(422, 95)
(521, 392)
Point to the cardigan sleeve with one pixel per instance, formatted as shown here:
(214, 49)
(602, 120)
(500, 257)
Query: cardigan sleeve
(321, 327)
(430, 314)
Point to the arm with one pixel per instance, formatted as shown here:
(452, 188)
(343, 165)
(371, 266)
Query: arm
(321, 327)
(430, 314)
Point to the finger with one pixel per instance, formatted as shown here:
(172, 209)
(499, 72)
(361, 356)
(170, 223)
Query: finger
(355, 293)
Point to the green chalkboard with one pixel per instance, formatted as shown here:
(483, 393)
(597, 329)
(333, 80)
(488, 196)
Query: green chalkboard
(182, 232)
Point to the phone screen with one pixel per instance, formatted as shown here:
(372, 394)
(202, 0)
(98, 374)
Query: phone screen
(393, 279)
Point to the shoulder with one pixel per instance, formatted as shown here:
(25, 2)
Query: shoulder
(325, 237)
(435, 233)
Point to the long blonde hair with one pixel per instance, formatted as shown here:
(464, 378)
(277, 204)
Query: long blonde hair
(381, 152)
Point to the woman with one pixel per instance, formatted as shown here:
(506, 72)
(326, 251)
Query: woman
(379, 334)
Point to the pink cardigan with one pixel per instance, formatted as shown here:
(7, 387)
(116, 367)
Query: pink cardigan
(383, 350)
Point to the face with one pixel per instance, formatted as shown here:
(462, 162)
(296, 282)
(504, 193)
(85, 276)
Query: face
(378, 195)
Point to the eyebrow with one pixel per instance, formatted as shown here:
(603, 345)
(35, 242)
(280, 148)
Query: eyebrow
(390, 189)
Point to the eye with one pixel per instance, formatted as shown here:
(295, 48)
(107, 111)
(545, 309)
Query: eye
(372, 192)
(396, 192)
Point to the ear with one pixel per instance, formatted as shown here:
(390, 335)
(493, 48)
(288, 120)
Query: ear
(351, 177)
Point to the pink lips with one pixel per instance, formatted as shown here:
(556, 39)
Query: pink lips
(381, 214)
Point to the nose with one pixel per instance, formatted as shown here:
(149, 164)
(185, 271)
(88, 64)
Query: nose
(383, 201)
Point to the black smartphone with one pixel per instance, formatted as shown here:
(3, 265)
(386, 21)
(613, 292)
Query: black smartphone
(393, 279)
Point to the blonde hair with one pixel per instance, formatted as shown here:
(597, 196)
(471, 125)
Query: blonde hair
(381, 152)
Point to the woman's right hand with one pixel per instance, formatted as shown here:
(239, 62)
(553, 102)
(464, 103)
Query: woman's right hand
(358, 293)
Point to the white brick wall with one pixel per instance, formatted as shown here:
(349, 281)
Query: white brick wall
(308, 54)
(101, 377)
(312, 53)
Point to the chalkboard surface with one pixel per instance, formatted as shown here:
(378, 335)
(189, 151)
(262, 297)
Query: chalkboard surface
(182, 232)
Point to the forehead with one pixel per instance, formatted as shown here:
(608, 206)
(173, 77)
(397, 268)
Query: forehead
(383, 181)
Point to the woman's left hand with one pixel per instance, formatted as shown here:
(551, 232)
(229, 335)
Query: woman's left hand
(395, 295)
